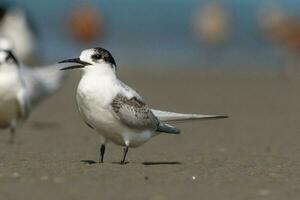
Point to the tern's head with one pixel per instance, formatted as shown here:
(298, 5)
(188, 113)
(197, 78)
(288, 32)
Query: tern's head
(95, 59)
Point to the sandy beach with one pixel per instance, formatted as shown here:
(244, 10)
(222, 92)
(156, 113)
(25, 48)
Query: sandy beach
(254, 154)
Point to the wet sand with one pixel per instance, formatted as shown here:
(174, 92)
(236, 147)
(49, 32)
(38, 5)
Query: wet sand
(255, 154)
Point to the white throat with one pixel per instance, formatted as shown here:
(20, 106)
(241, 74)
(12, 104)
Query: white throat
(99, 70)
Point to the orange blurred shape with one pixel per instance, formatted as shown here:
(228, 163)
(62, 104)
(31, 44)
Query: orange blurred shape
(287, 34)
(291, 36)
(212, 23)
(85, 24)
(282, 29)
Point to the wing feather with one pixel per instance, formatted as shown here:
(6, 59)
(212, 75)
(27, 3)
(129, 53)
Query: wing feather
(134, 113)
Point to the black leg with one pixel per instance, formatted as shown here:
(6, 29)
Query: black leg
(12, 135)
(124, 155)
(102, 151)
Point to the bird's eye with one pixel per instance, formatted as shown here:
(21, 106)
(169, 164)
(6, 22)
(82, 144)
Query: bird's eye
(9, 59)
(96, 56)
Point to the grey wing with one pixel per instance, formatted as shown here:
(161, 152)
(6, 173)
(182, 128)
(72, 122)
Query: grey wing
(41, 82)
(134, 113)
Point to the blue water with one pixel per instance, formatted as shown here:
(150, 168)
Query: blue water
(156, 32)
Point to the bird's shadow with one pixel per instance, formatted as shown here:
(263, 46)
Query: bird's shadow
(92, 162)
(89, 162)
(162, 163)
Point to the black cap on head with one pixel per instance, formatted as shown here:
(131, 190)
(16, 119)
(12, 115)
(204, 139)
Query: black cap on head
(104, 54)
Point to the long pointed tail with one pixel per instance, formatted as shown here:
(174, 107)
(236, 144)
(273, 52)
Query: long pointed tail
(165, 116)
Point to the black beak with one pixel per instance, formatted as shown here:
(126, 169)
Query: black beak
(74, 60)
(12, 57)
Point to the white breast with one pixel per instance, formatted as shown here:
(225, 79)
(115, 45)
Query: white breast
(94, 96)
(9, 104)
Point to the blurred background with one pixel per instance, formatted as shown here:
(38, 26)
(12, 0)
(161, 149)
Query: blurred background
(232, 57)
(171, 33)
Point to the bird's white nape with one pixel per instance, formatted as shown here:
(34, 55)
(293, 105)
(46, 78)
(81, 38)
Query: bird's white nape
(3, 56)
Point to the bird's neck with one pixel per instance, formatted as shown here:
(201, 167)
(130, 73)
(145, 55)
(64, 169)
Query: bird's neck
(97, 75)
(96, 87)
(100, 71)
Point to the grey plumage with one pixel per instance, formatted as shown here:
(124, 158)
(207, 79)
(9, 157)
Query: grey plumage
(136, 114)
(165, 116)
(40, 82)
(167, 128)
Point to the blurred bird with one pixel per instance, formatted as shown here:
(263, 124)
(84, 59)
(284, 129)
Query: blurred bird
(113, 109)
(86, 24)
(283, 30)
(212, 23)
(21, 87)
(16, 25)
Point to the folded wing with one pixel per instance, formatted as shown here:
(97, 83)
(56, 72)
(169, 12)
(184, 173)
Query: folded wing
(134, 113)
